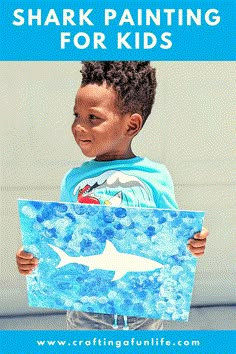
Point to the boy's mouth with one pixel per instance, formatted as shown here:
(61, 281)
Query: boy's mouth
(85, 141)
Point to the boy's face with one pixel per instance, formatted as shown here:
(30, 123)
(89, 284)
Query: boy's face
(99, 129)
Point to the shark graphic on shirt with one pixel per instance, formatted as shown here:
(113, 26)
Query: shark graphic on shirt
(110, 260)
(112, 188)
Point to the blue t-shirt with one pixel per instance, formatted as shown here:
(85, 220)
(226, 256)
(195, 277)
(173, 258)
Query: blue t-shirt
(136, 182)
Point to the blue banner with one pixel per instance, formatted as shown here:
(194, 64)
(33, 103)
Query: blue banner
(211, 342)
(112, 30)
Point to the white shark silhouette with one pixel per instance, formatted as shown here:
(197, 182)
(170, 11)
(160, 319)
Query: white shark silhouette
(110, 259)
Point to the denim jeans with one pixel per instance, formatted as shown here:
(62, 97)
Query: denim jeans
(97, 321)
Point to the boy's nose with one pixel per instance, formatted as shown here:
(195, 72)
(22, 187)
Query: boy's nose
(79, 125)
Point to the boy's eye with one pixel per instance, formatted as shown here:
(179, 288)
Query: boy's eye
(92, 117)
(94, 120)
(76, 116)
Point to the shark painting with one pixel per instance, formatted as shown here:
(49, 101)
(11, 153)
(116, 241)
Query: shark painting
(110, 259)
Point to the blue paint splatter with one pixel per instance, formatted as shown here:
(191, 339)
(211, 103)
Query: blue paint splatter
(120, 213)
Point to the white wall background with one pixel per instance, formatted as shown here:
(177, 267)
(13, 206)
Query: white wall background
(190, 130)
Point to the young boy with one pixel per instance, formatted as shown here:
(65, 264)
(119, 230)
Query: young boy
(111, 107)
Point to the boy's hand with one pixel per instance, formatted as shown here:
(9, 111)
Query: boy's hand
(197, 244)
(26, 262)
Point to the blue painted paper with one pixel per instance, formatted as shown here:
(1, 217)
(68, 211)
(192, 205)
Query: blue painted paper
(93, 258)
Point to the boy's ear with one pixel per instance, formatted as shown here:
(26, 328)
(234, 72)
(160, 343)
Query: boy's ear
(135, 123)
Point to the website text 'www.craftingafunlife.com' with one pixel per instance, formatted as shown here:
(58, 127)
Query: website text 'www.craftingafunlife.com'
(132, 342)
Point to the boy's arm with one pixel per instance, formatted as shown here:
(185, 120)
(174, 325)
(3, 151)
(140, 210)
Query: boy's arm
(26, 262)
(197, 244)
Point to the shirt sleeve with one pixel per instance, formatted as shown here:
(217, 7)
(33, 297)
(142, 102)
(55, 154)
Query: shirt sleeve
(167, 194)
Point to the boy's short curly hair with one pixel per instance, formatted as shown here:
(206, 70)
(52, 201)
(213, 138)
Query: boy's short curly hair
(134, 82)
